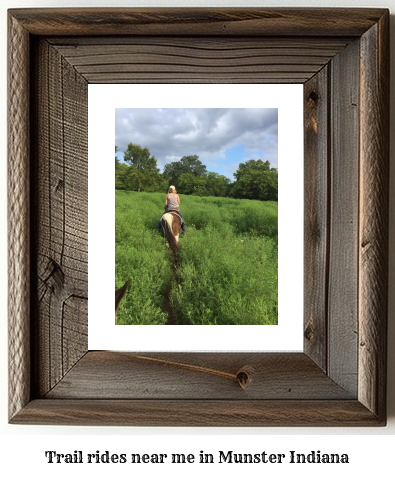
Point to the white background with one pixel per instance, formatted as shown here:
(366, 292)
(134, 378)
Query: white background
(103, 335)
(22, 447)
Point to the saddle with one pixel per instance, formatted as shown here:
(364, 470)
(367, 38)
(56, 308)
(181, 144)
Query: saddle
(174, 212)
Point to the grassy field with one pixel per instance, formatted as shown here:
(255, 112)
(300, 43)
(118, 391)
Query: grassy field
(227, 266)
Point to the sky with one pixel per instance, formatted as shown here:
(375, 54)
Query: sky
(221, 137)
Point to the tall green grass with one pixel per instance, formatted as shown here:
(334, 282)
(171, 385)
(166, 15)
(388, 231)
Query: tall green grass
(140, 256)
(227, 266)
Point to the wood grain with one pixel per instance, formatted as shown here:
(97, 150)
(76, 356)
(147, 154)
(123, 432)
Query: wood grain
(18, 212)
(316, 215)
(343, 255)
(373, 228)
(328, 22)
(196, 376)
(202, 413)
(61, 222)
(163, 59)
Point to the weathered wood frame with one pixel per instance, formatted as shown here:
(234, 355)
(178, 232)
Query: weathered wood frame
(342, 58)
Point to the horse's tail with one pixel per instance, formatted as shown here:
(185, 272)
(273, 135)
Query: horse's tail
(167, 225)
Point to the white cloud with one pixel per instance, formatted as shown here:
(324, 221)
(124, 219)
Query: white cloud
(173, 133)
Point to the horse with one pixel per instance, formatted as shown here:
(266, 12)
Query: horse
(119, 295)
(171, 225)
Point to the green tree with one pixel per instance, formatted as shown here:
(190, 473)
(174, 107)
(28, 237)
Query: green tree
(143, 173)
(251, 165)
(217, 184)
(172, 172)
(121, 176)
(187, 164)
(121, 173)
(192, 164)
(191, 184)
(186, 183)
(255, 179)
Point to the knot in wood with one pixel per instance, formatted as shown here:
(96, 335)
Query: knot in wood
(54, 279)
(313, 96)
(244, 376)
(309, 331)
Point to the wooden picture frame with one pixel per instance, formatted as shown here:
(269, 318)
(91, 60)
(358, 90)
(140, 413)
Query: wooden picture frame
(342, 58)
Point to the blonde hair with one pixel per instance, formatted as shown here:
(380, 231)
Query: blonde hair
(172, 190)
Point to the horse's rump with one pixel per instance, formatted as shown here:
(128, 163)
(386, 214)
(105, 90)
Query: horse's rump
(167, 222)
(171, 228)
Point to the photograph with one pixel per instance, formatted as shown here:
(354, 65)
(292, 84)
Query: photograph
(229, 160)
(196, 216)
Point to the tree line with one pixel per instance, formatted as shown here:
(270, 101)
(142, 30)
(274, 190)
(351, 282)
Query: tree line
(254, 179)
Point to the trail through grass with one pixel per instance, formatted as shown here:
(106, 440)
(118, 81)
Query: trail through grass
(227, 266)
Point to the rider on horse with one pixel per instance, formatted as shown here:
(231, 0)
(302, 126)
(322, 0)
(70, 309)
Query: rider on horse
(172, 203)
